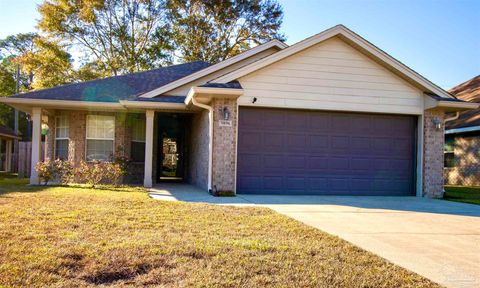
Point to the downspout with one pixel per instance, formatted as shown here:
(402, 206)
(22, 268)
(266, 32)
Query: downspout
(457, 114)
(210, 139)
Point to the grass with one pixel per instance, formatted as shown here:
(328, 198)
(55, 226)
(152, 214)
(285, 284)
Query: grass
(464, 194)
(75, 236)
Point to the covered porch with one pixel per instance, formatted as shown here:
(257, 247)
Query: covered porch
(168, 138)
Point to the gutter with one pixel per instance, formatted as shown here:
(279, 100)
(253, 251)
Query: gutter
(462, 130)
(210, 92)
(191, 96)
(457, 114)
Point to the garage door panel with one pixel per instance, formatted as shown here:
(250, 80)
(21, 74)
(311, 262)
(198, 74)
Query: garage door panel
(273, 183)
(328, 153)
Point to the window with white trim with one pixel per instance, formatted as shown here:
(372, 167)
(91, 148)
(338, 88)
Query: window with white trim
(100, 137)
(62, 131)
(137, 153)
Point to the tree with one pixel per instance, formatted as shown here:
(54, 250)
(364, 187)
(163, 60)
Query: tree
(119, 36)
(12, 47)
(7, 87)
(48, 62)
(218, 29)
(43, 63)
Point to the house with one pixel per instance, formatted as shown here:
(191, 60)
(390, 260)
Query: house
(7, 137)
(462, 139)
(332, 114)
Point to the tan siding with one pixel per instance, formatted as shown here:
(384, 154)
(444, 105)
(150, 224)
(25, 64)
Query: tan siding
(183, 90)
(331, 75)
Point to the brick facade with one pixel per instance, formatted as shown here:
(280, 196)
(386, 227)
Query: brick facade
(224, 146)
(467, 161)
(76, 144)
(433, 147)
(198, 158)
(50, 138)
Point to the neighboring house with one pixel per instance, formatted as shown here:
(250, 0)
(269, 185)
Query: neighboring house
(7, 137)
(462, 139)
(332, 114)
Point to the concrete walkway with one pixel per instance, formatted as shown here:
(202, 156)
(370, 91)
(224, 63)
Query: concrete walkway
(434, 238)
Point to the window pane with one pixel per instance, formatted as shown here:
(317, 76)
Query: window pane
(61, 149)
(101, 150)
(62, 128)
(449, 160)
(100, 127)
(137, 152)
(138, 130)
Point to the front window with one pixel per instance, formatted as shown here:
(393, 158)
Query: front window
(137, 152)
(62, 131)
(100, 137)
(449, 155)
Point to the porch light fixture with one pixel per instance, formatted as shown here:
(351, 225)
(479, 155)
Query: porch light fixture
(226, 114)
(437, 123)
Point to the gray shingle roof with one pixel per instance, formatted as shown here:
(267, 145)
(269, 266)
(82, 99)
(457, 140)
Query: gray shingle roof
(123, 87)
(233, 84)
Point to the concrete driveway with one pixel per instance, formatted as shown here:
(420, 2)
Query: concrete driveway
(434, 238)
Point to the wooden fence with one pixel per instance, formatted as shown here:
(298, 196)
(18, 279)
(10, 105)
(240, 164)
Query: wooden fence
(25, 156)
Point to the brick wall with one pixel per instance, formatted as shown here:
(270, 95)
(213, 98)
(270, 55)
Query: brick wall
(467, 162)
(198, 158)
(224, 146)
(433, 147)
(76, 146)
(50, 138)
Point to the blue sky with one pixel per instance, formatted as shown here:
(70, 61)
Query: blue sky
(440, 39)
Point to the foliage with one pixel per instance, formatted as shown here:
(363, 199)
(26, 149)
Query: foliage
(7, 87)
(95, 173)
(46, 170)
(215, 30)
(64, 171)
(117, 36)
(14, 46)
(91, 173)
(49, 62)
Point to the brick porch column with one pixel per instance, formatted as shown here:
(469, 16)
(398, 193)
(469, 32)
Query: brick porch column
(224, 146)
(433, 148)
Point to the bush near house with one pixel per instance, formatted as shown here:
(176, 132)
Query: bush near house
(91, 173)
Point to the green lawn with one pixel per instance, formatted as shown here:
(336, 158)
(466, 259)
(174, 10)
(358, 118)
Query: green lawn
(462, 194)
(75, 236)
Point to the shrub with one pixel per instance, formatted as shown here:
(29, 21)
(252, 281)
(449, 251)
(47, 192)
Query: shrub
(95, 173)
(92, 173)
(64, 170)
(46, 171)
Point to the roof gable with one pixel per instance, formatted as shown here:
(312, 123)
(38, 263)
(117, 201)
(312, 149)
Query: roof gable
(234, 61)
(354, 40)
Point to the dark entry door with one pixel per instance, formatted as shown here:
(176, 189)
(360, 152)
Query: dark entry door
(171, 147)
(287, 151)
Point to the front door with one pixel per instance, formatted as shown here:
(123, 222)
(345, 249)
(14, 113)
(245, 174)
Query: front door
(171, 147)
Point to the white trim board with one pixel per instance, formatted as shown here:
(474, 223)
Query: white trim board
(218, 66)
(350, 36)
(463, 130)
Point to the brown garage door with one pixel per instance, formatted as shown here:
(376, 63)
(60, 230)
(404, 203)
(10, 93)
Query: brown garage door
(285, 151)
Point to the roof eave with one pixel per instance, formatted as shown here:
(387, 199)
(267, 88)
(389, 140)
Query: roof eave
(206, 94)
